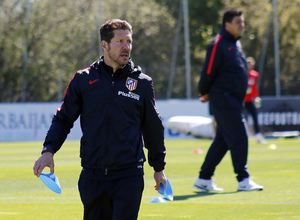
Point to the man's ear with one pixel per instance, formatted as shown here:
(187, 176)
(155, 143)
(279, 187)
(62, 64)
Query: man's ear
(104, 45)
(226, 24)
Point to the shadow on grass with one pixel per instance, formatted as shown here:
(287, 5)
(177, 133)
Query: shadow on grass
(201, 194)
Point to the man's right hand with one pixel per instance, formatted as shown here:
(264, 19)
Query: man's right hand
(159, 178)
(204, 98)
(46, 160)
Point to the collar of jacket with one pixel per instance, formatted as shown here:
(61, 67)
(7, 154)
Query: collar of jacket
(128, 69)
(228, 36)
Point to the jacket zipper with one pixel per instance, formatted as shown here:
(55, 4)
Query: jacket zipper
(109, 116)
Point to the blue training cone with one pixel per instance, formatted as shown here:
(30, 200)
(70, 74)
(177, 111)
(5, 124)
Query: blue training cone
(158, 200)
(168, 193)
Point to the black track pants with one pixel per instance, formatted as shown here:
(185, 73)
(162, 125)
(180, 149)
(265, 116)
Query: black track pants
(231, 135)
(111, 199)
(250, 107)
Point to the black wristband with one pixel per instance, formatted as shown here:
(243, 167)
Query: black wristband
(45, 149)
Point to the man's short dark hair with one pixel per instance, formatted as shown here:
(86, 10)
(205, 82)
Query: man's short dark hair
(107, 29)
(230, 14)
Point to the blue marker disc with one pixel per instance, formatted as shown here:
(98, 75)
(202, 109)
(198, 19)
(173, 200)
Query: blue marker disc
(51, 181)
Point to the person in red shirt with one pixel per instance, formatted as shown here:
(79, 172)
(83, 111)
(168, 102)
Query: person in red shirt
(252, 100)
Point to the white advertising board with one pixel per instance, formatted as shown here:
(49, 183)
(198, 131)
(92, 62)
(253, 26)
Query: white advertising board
(31, 121)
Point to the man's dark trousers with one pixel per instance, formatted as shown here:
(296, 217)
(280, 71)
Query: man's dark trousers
(117, 199)
(250, 107)
(230, 135)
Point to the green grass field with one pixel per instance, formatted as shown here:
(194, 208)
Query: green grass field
(24, 196)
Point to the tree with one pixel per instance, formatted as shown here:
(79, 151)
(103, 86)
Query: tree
(203, 25)
(60, 39)
(63, 37)
(289, 40)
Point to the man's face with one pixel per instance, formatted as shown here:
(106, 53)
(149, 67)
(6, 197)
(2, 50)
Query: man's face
(236, 26)
(249, 65)
(117, 52)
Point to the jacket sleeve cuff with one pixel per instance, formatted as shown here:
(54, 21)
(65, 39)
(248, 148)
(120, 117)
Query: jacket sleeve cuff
(159, 168)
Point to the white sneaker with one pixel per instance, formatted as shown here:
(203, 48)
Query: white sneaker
(206, 185)
(249, 185)
(260, 138)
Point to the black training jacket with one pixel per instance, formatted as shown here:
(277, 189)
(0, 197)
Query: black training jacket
(117, 113)
(225, 68)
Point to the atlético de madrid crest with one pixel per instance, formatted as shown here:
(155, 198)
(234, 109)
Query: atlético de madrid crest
(131, 84)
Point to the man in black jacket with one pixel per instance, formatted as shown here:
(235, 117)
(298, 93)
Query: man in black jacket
(223, 82)
(118, 115)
